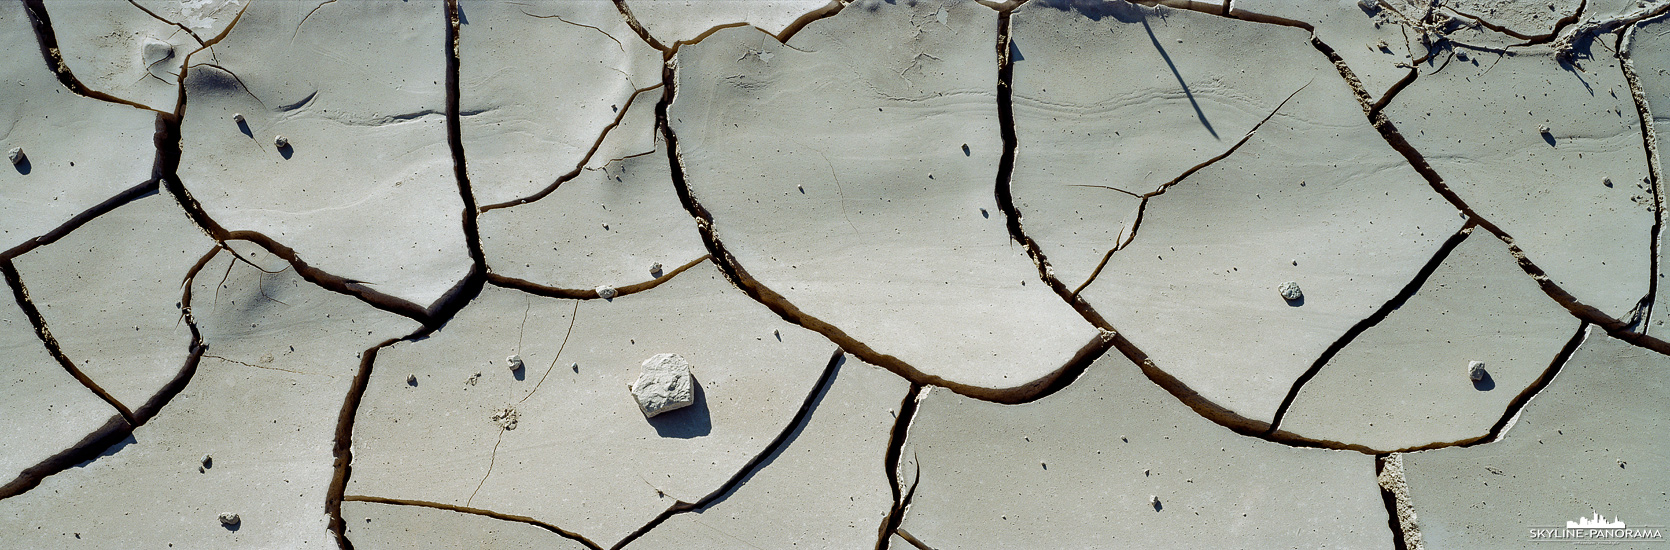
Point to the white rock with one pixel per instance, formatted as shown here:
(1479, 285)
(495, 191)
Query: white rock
(1475, 370)
(515, 362)
(1290, 291)
(15, 155)
(606, 292)
(664, 385)
(229, 518)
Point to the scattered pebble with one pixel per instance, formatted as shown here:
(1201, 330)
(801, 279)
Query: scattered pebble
(605, 226)
(515, 362)
(1606, 181)
(282, 142)
(1543, 129)
(1475, 370)
(238, 118)
(208, 461)
(1290, 291)
(655, 269)
(411, 379)
(575, 366)
(1154, 500)
(15, 155)
(606, 292)
(664, 385)
(229, 519)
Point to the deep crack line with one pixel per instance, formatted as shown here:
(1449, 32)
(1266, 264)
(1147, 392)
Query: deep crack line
(1409, 290)
(580, 167)
(530, 287)
(570, 535)
(894, 462)
(1655, 171)
(145, 189)
(48, 40)
(784, 438)
(342, 450)
(120, 427)
(21, 294)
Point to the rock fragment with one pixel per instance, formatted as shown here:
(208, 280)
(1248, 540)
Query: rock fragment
(1290, 291)
(1475, 370)
(607, 292)
(15, 155)
(229, 519)
(664, 385)
(514, 361)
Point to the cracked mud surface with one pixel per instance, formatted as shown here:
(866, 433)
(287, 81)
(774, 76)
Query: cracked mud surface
(947, 273)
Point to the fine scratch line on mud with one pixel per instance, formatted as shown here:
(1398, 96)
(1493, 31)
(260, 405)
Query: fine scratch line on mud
(570, 535)
(572, 316)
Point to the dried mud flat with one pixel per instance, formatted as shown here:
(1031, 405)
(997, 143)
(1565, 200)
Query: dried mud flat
(834, 274)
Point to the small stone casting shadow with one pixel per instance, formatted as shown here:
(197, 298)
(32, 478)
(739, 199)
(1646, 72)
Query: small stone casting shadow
(1485, 384)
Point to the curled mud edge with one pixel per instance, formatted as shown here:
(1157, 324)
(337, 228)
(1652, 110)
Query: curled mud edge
(1400, 512)
(1655, 169)
(537, 289)
(121, 426)
(782, 441)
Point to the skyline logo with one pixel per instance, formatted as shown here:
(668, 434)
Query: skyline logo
(1596, 529)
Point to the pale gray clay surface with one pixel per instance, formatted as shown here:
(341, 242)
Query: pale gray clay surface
(529, 114)
(1405, 382)
(826, 489)
(119, 49)
(1375, 41)
(1591, 443)
(1078, 468)
(44, 411)
(110, 294)
(109, 144)
(366, 189)
(606, 226)
(862, 193)
(379, 526)
(263, 404)
(1199, 294)
(1548, 191)
(582, 456)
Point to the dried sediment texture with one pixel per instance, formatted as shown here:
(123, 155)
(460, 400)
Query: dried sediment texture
(1547, 190)
(1592, 442)
(1314, 196)
(538, 84)
(1649, 52)
(582, 456)
(670, 21)
(1404, 383)
(855, 178)
(608, 225)
(110, 293)
(827, 488)
(44, 411)
(1374, 42)
(119, 49)
(379, 526)
(365, 190)
(1011, 476)
(263, 405)
(53, 127)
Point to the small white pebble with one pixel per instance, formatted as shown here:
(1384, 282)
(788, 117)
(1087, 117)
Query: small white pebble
(411, 379)
(1475, 370)
(606, 292)
(281, 142)
(515, 362)
(238, 117)
(229, 518)
(1290, 291)
(15, 155)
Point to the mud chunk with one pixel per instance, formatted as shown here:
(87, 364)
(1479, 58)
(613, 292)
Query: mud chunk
(229, 519)
(515, 362)
(606, 292)
(1290, 291)
(664, 385)
(1475, 370)
(506, 417)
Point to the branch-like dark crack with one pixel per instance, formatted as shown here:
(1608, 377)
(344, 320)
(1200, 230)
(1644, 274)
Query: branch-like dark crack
(1519, 402)
(784, 438)
(587, 293)
(1364, 325)
(154, 15)
(579, 167)
(637, 28)
(343, 449)
(48, 40)
(134, 193)
(894, 462)
(466, 289)
(21, 294)
(121, 426)
(570, 535)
